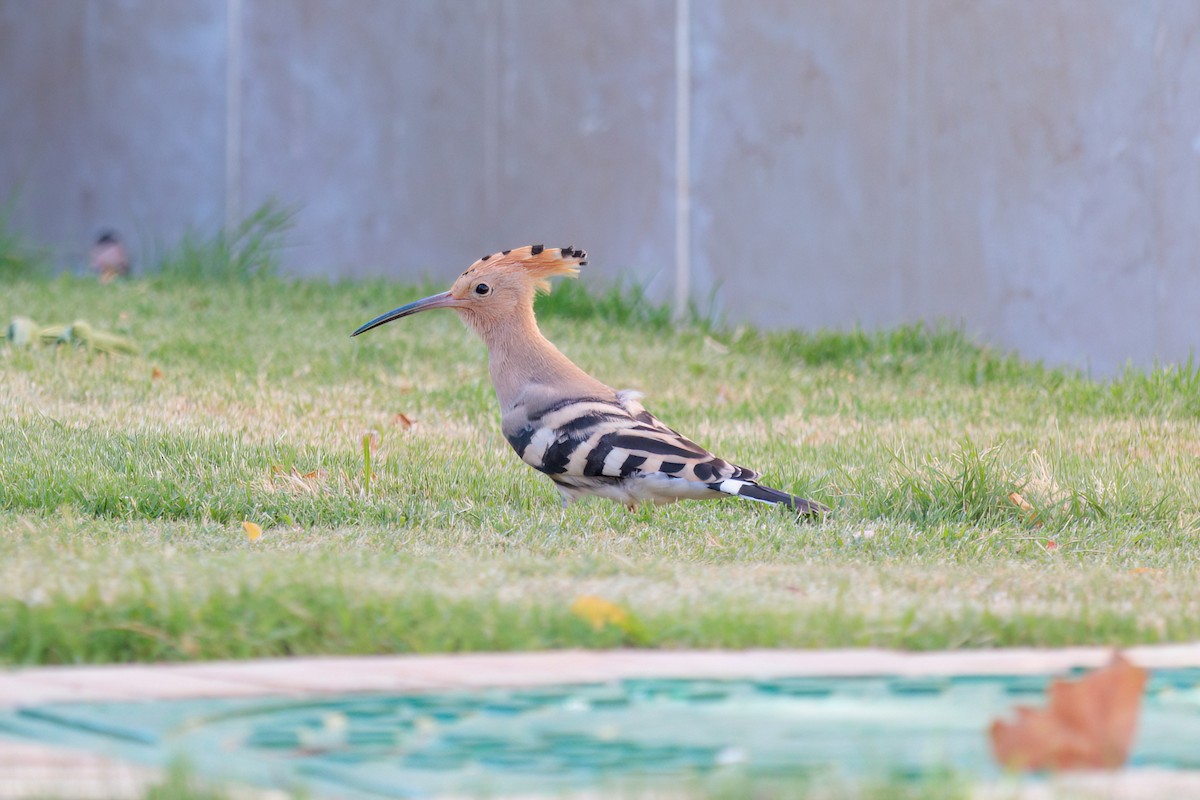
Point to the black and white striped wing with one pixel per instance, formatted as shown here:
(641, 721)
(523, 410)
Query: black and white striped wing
(596, 438)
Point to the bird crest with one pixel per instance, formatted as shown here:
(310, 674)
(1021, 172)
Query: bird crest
(537, 262)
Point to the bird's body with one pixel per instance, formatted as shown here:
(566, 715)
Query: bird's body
(108, 257)
(585, 436)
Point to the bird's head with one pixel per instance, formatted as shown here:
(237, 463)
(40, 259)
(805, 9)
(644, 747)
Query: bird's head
(497, 287)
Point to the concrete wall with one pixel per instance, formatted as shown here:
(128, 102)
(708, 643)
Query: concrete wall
(1031, 167)
(112, 113)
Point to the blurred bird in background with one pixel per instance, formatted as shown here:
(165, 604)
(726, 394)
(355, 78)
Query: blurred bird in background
(586, 437)
(108, 257)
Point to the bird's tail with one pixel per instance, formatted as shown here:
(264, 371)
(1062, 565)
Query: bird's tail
(765, 494)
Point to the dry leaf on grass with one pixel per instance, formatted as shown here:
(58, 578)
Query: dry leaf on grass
(715, 346)
(293, 480)
(1020, 502)
(1016, 499)
(404, 421)
(253, 530)
(1089, 723)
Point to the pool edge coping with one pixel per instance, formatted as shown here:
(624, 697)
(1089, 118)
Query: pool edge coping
(425, 673)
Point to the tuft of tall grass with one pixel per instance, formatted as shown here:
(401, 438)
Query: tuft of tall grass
(933, 350)
(1167, 390)
(249, 251)
(19, 260)
(621, 305)
(180, 782)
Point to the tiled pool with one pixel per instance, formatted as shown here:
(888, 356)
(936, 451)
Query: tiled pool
(575, 736)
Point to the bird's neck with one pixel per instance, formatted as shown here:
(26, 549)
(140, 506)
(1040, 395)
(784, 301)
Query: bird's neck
(520, 356)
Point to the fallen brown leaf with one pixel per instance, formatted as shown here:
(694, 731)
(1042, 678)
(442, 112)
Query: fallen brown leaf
(715, 346)
(1089, 723)
(1016, 499)
(292, 480)
(1020, 502)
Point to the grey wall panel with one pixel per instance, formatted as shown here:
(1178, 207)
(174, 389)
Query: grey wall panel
(118, 119)
(368, 117)
(1043, 177)
(802, 192)
(1176, 235)
(585, 133)
(156, 117)
(479, 127)
(43, 122)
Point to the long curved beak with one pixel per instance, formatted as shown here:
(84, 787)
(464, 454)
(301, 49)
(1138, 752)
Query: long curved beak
(443, 300)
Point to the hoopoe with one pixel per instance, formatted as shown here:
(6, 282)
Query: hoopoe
(586, 437)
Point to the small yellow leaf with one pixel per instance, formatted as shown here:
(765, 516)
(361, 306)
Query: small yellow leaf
(253, 531)
(599, 613)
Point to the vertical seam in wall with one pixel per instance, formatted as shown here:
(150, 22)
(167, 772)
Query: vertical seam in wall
(233, 112)
(1158, 249)
(491, 109)
(904, 167)
(91, 153)
(683, 88)
(920, 56)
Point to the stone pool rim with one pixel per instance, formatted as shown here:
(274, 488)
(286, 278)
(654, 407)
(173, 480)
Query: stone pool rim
(283, 677)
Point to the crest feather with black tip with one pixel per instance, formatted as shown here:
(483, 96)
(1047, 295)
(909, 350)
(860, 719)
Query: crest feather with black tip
(538, 262)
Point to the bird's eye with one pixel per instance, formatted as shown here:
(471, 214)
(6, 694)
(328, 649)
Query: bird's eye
(482, 289)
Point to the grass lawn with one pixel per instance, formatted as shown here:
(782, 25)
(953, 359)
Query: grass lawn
(125, 480)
